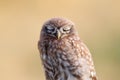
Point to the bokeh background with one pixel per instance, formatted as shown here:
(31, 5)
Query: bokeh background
(98, 23)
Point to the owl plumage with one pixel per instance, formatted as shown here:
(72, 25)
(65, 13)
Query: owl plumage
(63, 54)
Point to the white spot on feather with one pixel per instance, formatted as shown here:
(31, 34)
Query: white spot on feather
(43, 56)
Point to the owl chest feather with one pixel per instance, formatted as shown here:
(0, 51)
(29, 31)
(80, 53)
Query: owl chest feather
(62, 61)
(58, 58)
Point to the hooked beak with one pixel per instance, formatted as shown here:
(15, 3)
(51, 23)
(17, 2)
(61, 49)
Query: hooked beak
(58, 34)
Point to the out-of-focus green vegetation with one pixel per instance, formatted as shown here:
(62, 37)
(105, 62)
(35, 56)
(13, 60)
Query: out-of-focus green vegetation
(98, 23)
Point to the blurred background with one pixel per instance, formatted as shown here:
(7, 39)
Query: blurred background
(98, 23)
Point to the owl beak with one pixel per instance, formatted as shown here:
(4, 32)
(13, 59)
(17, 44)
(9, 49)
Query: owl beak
(58, 34)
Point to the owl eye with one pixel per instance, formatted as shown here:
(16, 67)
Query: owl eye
(66, 29)
(49, 29)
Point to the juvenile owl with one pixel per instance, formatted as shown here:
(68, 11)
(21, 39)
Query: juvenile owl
(63, 54)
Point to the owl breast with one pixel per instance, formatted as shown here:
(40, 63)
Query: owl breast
(61, 60)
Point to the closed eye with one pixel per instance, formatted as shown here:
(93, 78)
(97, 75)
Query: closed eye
(49, 28)
(67, 29)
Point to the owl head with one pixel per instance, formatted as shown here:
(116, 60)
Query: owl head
(58, 28)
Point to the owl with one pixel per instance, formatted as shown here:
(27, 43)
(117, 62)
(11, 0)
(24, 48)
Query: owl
(63, 54)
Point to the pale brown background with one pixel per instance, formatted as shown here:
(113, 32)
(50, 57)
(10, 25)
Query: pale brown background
(98, 23)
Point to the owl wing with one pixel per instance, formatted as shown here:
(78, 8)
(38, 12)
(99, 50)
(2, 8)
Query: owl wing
(86, 55)
(80, 58)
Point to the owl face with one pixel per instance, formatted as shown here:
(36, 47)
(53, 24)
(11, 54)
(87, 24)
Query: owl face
(58, 28)
(58, 32)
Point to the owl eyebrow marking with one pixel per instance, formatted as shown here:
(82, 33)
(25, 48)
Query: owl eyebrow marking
(49, 27)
